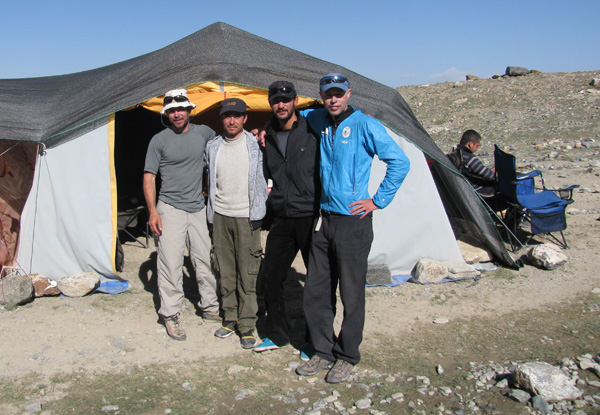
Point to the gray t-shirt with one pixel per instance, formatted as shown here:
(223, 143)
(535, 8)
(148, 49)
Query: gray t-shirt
(178, 159)
(282, 140)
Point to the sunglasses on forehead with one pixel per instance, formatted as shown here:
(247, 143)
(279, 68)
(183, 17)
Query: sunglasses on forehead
(284, 89)
(337, 79)
(178, 98)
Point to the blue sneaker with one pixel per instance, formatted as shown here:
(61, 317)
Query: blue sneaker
(307, 352)
(267, 344)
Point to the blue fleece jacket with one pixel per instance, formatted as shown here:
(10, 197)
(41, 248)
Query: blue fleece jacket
(346, 159)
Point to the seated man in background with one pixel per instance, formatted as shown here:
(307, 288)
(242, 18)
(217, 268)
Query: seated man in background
(482, 178)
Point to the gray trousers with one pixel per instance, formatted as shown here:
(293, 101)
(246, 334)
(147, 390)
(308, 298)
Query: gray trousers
(238, 254)
(178, 229)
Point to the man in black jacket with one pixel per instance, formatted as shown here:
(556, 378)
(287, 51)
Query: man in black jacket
(292, 163)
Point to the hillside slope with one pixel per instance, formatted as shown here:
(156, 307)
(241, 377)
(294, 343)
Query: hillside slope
(523, 113)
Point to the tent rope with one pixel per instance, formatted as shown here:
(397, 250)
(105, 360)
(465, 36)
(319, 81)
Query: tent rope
(10, 148)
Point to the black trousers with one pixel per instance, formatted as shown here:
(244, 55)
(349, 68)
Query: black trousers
(338, 256)
(286, 237)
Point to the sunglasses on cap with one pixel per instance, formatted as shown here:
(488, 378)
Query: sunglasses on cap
(336, 79)
(284, 89)
(178, 98)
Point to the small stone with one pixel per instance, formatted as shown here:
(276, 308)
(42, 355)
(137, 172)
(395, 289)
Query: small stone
(236, 369)
(540, 404)
(363, 403)
(110, 408)
(439, 369)
(331, 399)
(502, 384)
(320, 404)
(519, 395)
(33, 407)
(446, 391)
(244, 393)
(441, 320)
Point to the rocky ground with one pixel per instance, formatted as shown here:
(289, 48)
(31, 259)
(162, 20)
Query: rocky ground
(439, 349)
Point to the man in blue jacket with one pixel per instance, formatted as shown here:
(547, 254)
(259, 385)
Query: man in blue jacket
(344, 232)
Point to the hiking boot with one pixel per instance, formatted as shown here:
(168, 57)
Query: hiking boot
(211, 317)
(313, 366)
(247, 339)
(225, 330)
(307, 352)
(340, 372)
(173, 326)
(267, 344)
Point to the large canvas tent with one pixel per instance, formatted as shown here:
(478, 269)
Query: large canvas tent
(72, 147)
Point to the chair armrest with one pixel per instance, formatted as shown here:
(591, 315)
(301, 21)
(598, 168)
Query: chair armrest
(529, 175)
(565, 192)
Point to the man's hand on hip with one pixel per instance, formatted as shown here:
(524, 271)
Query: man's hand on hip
(363, 207)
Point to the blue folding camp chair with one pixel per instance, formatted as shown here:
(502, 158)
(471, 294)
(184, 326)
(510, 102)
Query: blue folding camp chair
(542, 207)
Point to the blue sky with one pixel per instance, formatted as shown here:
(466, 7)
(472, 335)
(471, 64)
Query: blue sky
(394, 42)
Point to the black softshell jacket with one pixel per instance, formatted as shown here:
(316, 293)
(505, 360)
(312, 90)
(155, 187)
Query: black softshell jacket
(295, 175)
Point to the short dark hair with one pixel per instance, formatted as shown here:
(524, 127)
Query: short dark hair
(470, 136)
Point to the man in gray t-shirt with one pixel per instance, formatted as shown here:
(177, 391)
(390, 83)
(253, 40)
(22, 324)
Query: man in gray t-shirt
(179, 217)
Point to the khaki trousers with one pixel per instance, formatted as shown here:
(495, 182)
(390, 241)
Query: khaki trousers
(178, 229)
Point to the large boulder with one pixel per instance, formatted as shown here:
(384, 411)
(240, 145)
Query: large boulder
(429, 271)
(78, 285)
(44, 286)
(473, 254)
(516, 71)
(16, 289)
(546, 256)
(379, 274)
(540, 378)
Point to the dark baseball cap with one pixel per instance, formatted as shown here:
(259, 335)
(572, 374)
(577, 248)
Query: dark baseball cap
(233, 105)
(281, 89)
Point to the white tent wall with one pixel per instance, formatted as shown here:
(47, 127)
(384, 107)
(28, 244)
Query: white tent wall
(67, 224)
(415, 225)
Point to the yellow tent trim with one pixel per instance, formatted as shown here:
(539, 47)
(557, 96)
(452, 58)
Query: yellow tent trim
(209, 95)
(113, 186)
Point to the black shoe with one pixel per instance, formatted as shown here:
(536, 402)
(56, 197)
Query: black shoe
(247, 339)
(226, 330)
